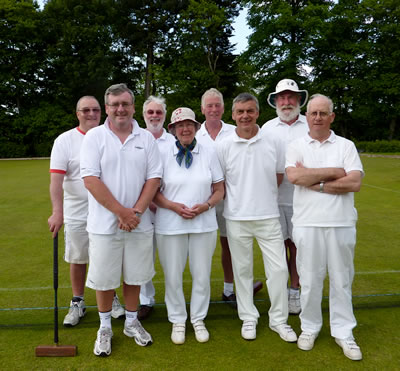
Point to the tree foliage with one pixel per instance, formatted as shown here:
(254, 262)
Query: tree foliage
(347, 49)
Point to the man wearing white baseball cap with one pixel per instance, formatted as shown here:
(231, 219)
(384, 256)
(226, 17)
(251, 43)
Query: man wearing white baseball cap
(288, 99)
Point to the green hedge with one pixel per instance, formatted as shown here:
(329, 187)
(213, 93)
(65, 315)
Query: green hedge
(378, 146)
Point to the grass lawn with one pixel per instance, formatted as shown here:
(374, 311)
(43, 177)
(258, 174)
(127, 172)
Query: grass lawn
(26, 294)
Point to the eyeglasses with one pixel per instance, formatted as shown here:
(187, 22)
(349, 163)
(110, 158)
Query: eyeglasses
(151, 112)
(116, 105)
(88, 110)
(186, 125)
(322, 114)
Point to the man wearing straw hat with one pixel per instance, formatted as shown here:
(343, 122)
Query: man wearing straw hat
(288, 99)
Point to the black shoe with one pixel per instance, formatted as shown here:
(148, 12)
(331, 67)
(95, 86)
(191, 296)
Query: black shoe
(231, 300)
(257, 286)
(144, 312)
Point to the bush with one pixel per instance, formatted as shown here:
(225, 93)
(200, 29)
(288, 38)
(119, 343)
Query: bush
(379, 146)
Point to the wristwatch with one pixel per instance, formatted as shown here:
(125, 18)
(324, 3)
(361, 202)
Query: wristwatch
(139, 215)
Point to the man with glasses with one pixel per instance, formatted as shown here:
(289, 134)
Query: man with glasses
(121, 168)
(326, 171)
(70, 205)
(154, 113)
(290, 124)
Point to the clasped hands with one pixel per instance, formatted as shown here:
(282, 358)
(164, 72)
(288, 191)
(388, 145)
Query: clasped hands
(189, 212)
(128, 220)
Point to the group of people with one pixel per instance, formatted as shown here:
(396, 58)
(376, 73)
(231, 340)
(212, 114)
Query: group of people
(122, 192)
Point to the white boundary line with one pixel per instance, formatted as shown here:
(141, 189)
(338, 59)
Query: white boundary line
(380, 188)
(6, 289)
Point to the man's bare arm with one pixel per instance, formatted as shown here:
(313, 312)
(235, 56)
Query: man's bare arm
(104, 197)
(148, 192)
(56, 219)
(349, 183)
(279, 178)
(306, 177)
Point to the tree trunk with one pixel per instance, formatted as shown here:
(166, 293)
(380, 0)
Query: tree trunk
(392, 128)
(149, 67)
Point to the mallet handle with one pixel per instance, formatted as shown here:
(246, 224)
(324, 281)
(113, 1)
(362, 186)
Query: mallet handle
(55, 285)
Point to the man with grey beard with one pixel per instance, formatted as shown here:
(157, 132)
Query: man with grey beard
(154, 113)
(287, 99)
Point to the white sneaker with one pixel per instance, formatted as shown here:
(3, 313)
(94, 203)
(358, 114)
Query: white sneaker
(117, 310)
(294, 301)
(102, 345)
(285, 332)
(76, 311)
(200, 332)
(306, 341)
(178, 333)
(136, 331)
(249, 330)
(350, 348)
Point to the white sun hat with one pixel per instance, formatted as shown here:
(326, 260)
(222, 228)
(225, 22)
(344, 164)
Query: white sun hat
(182, 114)
(287, 84)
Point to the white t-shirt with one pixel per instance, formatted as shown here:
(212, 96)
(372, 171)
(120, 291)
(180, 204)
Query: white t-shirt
(123, 168)
(287, 133)
(250, 168)
(188, 186)
(65, 160)
(204, 138)
(315, 209)
(164, 142)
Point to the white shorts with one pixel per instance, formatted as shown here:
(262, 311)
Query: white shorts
(127, 253)
(76, 243)
(285, 218)
(219, 209)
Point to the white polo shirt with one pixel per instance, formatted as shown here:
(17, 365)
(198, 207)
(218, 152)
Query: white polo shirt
(123, 168)
(165, 141)
(250, 168)
(315, 209)
(189, 187)
(204, 138)
(65, 160)
(287, 133)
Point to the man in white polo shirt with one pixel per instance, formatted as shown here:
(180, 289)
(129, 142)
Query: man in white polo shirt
(212, 131)
(154, 113)
(121, 168)
(70, 205)
(253, 166)
(288, 99)
(326, 171)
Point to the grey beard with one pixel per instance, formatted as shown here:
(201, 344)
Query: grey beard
(288, 116)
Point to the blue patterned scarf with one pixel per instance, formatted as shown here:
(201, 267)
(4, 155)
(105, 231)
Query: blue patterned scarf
(185, 152)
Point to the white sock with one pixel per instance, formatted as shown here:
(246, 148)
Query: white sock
(130, 317)
(228, 288)
(105, 319)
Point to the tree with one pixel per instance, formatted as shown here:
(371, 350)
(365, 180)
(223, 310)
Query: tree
(21, 54)
(198, 54)
(278, 47)
(141, 29)
(338, 58)
(382, 83)
(79, 53)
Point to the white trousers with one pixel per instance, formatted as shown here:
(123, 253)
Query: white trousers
(173, 252)
(319, 249)
(268, 234)
(147, 290)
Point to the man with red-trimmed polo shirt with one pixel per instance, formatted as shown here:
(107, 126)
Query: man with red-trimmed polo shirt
(70, 204)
